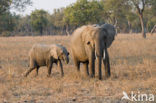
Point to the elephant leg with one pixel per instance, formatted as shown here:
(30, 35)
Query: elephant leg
(86, 68)
(99, 67)
(77, 64)
(37, 71)
(61, 67)
(49, 66)
(29, 70)
(92, 65)
(106, 64)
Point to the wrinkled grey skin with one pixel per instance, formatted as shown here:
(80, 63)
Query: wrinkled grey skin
(46, 55)
(90, 42)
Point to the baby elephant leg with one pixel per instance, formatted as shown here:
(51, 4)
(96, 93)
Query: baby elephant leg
(29, 70)
(49, 66)
(61, 67)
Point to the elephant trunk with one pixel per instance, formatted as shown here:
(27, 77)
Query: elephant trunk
(98, 48)
(66, 59)
(99, 52)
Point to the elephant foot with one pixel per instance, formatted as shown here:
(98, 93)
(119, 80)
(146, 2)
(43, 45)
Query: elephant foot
(78, 70)
(92, 76)
(62, 75)
(25, 75)
(87, 75)
(100, 78)
(107, 76)
(36, 75)
(48, 75)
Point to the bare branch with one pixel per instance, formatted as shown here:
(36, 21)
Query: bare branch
(153, 29)
(143, 5)
(137, 6)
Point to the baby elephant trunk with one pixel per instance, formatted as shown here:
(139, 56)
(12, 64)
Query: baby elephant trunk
(66, 59)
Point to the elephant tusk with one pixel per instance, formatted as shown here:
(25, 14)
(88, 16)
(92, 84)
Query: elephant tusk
(104, 55)
(95, 55)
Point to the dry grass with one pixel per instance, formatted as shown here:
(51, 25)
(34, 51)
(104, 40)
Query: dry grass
(133, 68)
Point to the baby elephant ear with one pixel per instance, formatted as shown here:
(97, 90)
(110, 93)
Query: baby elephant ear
(54, 53)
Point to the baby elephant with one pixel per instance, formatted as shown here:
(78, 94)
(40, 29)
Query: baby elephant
(46, 55)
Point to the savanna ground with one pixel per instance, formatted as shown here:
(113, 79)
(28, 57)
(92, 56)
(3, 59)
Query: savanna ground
(133, 68)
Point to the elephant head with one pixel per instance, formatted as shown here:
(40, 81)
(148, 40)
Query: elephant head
(98, 42)
(60, 53)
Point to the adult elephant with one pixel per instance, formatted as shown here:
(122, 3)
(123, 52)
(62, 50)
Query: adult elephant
(90, 42)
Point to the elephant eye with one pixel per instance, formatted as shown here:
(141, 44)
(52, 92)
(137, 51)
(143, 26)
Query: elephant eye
(88, 42)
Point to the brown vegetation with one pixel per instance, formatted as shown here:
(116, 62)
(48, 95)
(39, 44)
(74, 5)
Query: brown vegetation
(133, 68)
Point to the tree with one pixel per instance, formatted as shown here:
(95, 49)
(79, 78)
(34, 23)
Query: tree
(140, 8)
(20, 4)
(150, 16)
(140, 11)
(39, 20)
(116, 12)
(83, 12)
(57, 19)
(7, 19)
(123, 13)
(24, 26)
(8, 23)
(6, 5)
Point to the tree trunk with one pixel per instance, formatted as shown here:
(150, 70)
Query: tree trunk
(140, 14)
(41, 31)
(129, 27)
(142, 24)
(67, 30)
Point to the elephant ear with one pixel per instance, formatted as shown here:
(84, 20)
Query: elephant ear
(54, 53)
(103, 30)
